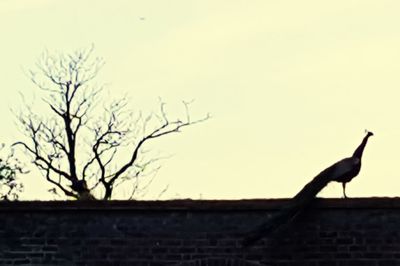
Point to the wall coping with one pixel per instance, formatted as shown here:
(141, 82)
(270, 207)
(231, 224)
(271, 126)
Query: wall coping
(195, 205)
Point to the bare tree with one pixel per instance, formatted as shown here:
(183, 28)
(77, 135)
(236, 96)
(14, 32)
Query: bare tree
(83, 155)
(10, 185)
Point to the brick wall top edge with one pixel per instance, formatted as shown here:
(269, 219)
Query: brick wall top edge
(196, 205)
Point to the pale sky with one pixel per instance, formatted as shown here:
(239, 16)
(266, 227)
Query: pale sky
(291, 85)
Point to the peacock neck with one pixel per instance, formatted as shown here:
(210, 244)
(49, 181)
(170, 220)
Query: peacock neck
(360, 149)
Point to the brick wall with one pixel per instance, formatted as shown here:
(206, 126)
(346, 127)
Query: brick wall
(198, 233)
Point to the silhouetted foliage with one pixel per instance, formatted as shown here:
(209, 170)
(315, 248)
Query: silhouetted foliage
(10, 185)
(80, 145)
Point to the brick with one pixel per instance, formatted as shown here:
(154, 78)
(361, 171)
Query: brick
(21, 262)
(178, 237)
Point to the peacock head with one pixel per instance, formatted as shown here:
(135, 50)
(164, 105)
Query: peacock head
(369, 133)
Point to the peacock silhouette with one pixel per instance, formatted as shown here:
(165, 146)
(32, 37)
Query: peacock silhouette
(343, 171)
(349, 168)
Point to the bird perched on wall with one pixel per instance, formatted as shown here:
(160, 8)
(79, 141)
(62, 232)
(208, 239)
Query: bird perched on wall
(343, 171)
(348, 168)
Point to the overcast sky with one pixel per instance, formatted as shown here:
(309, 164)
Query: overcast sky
(291, 85)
